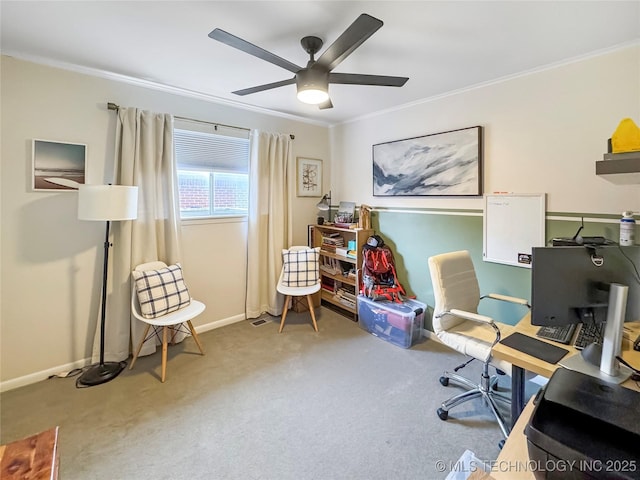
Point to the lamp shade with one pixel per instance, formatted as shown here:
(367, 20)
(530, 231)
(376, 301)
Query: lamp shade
(325, 202)
(107, 202)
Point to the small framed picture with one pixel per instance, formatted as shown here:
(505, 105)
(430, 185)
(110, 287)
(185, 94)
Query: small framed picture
(308, 177)
(58, 166)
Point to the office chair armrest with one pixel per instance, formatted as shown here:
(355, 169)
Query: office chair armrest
(476, 317)
(507, 298)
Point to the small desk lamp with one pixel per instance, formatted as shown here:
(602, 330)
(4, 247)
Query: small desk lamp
(105, 203)
(324, 205)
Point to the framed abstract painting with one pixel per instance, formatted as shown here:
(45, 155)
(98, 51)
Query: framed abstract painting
(440, 164)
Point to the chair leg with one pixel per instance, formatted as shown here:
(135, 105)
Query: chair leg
(144, 337)
(164, 352)
(461, 398)
(284, 312)
(195, 336)
(496, 413)
(313, 315)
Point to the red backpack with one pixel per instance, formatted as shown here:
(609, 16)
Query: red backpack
(379, 280)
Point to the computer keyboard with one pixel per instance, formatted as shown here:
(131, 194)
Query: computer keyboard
(592, 332)
(561, 334)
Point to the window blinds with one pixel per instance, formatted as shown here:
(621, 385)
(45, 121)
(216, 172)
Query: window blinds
(209, 151)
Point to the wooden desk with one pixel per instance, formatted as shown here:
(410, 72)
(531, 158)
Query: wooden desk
(512, 463)
(32, 458)
(521, 361)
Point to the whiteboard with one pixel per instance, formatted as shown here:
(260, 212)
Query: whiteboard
(512, 225)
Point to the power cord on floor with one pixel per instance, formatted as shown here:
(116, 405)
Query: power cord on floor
(70, 373)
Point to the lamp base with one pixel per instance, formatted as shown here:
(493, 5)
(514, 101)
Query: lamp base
(101, 373)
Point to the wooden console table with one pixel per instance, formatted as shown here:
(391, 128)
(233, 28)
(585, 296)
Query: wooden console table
(32, 458)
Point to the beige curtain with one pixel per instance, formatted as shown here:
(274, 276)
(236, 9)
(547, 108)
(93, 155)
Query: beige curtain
(269, 224)
(144, 157)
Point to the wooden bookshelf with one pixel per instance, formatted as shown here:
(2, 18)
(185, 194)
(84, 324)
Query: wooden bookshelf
(339, 274)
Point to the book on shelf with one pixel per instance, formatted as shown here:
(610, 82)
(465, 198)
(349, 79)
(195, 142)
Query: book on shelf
(329, 269)
(341, 292)
(345, 297)
(330, 244)
(328, 284)
(333, 240)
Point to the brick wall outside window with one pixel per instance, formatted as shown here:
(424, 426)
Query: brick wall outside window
(230, 193)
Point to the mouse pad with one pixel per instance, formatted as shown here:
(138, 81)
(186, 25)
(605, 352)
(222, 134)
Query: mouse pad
(534, 347)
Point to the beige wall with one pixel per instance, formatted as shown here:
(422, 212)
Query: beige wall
(51, 262)
(543, 133)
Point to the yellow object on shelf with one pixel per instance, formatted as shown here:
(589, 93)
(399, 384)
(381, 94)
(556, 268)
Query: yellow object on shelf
(626, 138)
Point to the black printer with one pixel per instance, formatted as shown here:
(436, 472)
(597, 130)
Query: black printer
(584, 428)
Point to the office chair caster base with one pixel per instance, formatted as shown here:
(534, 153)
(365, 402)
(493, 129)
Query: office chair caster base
(443, 414)
(444, 381)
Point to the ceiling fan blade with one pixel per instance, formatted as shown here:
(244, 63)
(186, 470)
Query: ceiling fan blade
(364, 26)
(266, 86)
(360, 79)
(252, 49)
(325, 105)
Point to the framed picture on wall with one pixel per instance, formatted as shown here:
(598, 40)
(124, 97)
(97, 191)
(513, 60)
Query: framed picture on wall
(308, 177)
(440, 164)
(57, 166)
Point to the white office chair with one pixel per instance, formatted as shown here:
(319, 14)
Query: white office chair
(457, 295)
(299, 277)
(173, 321)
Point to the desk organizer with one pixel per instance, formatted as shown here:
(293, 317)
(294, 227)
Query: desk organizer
(397, 323)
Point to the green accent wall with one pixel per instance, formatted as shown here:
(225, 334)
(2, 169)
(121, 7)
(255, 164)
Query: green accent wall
(415, 235)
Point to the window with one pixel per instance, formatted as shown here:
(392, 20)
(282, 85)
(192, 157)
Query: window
(213, 166)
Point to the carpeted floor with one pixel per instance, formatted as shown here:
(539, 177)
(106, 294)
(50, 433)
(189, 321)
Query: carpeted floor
(337, 404)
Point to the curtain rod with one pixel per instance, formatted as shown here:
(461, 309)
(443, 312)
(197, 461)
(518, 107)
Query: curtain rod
(113, 106)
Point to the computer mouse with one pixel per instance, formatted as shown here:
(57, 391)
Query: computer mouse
(592, 353)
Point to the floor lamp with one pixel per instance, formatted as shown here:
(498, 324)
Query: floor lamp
(105, 203)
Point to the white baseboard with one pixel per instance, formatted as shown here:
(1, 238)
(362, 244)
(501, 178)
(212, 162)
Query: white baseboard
(220, 323)
(44, 374)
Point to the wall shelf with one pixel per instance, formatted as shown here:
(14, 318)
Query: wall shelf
(620, 168)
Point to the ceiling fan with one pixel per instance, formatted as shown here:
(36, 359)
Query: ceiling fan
(313, 81)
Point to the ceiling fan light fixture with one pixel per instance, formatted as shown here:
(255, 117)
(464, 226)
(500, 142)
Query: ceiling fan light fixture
(313, 86)
(312, 95)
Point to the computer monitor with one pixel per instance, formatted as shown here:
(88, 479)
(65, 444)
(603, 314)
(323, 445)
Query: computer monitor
(571, 284)
(588, 283)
